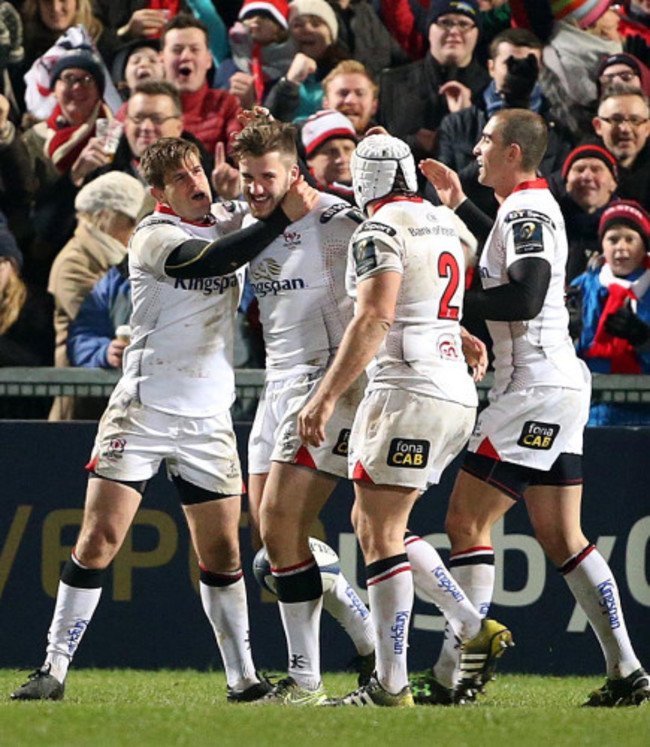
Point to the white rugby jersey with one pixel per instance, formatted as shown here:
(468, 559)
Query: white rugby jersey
(422, 351)
(299, 282)
(537, 352)
(180, 359)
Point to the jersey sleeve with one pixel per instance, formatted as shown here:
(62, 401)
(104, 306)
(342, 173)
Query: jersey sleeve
(528, 234)
(152, 243)
(375, 248)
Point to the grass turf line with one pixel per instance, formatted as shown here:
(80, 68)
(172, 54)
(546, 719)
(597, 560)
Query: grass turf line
(128, 707)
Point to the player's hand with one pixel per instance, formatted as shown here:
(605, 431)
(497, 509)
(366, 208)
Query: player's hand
(375, 130)
(92, 157)
(299, 200)
(458, 96)
(115, 353)
(475, 354)
(626, 324)
(445, 180)
(224, 177)
(242, 85)
(313, 418)
(301, 67)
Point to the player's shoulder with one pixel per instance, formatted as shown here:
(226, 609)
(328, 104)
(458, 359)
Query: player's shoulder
(228, 209)
(153, 222)
(332, 210)
(526, 206)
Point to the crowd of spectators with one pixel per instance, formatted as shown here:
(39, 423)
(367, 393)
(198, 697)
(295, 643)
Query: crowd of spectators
(431, 72)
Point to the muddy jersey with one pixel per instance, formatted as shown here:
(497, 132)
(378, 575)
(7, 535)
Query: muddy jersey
(180, 359)
(299, 282)
(422, 350)
(537, 352)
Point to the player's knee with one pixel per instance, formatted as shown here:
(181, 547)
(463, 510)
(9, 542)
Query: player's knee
(97, 548)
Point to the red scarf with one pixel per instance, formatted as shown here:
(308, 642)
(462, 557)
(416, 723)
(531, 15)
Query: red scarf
(257, 72)
(619, 351)
(65, 142)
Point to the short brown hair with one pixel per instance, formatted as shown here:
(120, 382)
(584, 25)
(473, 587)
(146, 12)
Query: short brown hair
(159, 88)
(517, 37)
(623, 89)
(163, 156)
(526, 129)
(185, 21)
(265, 135)
(350, 67)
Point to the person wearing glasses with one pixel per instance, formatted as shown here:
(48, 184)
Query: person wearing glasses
(414, 98)
(623, 125)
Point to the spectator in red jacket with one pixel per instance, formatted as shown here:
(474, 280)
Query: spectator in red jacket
(209, 114)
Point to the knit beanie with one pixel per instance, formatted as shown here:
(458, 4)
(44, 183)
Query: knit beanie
(591, 150)
(278, 10)
(84, 59)
(467, 8)
(323, 126)
(628, 213)
(115, 191)
(585, 12)
(318, 8)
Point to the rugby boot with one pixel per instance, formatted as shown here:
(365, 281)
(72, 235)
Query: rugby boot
(40, 685)
(622, 691)
(373, 694)
(478, 657)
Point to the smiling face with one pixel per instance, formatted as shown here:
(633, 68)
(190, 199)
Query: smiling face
(57, 15)
(352, 94)
(148, 118)
(77, 93)
(262, 29)
(622, 123)
(311, 34)
(187, 191)
(265, 181)
(590, 183)
(623, 248)
(452, 39)
(331, 161)
(490, 154)
(186, 58)
(143, 64)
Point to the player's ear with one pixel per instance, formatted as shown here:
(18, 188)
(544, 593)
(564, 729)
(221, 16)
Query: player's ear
(158, 195)
(294, 172)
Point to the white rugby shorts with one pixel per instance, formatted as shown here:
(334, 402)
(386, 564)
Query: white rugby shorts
(274, 435)
(133, 439)
(406, 439)
(533, 426)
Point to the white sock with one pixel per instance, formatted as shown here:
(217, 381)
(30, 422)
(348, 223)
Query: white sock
(73, 612)
(593, 585)
(344, 605)
(226, 608)
(390, 592)
(473, 569)
(301, 621)
(436, 584)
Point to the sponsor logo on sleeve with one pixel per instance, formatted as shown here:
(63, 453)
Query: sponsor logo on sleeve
(408, 452)
(538, 436)
(373, 225)
(534, 215)
(364, 252)
(528, 237)
(328, 214)
(341, 445)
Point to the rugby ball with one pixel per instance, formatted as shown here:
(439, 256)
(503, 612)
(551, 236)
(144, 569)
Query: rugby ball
(327, 559)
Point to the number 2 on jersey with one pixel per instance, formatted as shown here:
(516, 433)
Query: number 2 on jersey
(448, 268)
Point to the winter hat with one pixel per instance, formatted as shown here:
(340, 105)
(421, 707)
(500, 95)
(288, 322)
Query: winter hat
(114, 190)
(628, 213)
(318, 8)
(323, 126)
(591, 150)
(278, 10)
(467, 8)
(619, 58)
(585, 12)
(123, 53)
(8, 246)
(83, 58)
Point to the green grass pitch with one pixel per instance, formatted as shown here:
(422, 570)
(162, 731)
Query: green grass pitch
(107, 708)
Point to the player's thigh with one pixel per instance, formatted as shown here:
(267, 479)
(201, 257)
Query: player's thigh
(214, 529)
(474, 507)
(554, 512)
(108, 513)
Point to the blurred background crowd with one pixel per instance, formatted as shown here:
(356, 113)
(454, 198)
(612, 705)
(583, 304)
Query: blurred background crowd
(87, 85)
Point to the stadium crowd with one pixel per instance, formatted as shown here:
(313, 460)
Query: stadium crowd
(86, 86)
(521, 115)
